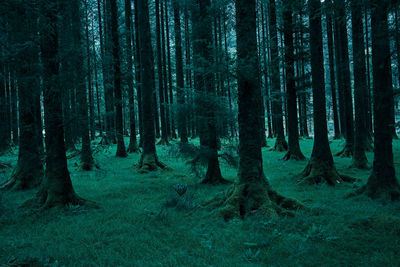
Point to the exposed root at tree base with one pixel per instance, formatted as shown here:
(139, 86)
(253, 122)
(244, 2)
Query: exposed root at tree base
(318, 172)
(163, 142)
(361, 164)
(5, 165)
(385, 193)
(280, 145)
(42, 203)
(150, 163)
(23, 179)
(347, 152)
(246, 199)
(294, 156)
(215, 181)
(133, 148)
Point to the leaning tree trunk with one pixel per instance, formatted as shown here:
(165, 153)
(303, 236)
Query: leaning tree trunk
(294, 152)
(252, 194)
(320, 167)
(280, 144)
(149, 160)
(382, 183)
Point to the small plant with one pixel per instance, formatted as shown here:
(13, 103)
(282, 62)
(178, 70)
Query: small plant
(180, 189)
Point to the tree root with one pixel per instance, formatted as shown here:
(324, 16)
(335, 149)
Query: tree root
(384, 193)
(149, 163)
(133, 148)
(45, 201)
(252, 198)
(215, 180)
(280, 145)
(346, 152)
(298, 156)
(23, 179)
(163, 142)
(5, 165)
(361, 164)
(318, 172)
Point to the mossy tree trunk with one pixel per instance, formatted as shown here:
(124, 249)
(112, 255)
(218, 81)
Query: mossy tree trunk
(382, 183)
(294, 152)
(320, 167)
(252, 194)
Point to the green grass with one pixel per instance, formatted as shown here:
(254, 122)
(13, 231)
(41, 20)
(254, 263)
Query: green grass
(134, 226)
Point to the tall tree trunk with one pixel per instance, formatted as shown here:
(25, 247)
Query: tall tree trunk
(29, 171)
(164, 72)
(170, 89)
(206, 81)
(265, 69)
(137, 74)
(78, 59)
(344, 74)
(56, 188)
(161, 85)
(382, 183)
(360, 87)
(133, 147)
(320, 167)
(329, 26)
(89, 76)
(294, 152)
(182, 123)
(14, 108)
(149, 160)
(121, 152)
(253, 193)
(280, 144)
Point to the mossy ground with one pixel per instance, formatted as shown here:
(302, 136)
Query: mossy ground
(143, 222)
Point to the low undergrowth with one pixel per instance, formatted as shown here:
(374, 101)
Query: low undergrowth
(143, 221)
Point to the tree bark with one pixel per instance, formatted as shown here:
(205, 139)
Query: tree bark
(252, 194)
(382, 183)
(280, 144)
(321, 167)
(121, 152)
(294, 152)
(149, 160)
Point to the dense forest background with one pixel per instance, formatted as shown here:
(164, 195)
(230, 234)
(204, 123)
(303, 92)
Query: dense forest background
(205, 132)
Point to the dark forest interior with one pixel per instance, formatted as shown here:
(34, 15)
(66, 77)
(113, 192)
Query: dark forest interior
(199, 133)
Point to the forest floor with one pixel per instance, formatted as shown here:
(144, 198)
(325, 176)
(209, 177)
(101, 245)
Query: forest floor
(140, 223)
